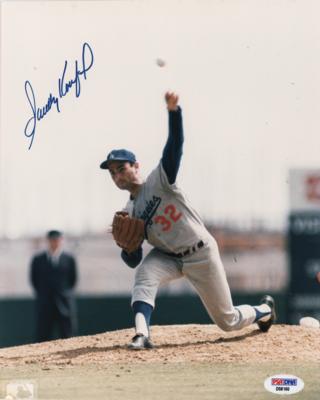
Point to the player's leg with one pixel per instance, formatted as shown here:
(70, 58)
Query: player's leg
(205, 271)
(155, 270)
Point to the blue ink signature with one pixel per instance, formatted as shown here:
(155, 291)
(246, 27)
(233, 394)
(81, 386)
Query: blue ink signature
(64, 87)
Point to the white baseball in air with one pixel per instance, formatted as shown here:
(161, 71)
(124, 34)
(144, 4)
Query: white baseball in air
(160, 62)
(309, 322)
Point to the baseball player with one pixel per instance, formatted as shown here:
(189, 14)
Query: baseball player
(159, 212)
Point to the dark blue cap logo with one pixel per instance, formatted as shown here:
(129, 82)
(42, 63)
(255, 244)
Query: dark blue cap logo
(118, 155)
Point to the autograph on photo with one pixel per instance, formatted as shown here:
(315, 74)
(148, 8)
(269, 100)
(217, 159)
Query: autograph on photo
(64, 87)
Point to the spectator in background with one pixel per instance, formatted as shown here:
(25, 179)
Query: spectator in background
(53, 276)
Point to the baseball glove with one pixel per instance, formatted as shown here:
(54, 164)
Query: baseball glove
(128, 232)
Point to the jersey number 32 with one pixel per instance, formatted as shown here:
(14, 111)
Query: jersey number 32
(172, 215)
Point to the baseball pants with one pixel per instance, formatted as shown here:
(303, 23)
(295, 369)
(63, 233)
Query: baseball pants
(205, 271)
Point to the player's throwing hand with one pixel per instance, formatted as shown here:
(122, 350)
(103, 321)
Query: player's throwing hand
(172, 101)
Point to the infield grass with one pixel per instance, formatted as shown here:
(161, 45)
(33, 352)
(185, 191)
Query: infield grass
(161, 381)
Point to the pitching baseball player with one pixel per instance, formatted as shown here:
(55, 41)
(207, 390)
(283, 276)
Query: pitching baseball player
(159, 212)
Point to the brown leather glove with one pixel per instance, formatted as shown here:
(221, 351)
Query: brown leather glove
(128, 232)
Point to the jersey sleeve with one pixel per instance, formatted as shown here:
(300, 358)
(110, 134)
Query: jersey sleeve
(158, 179)
(172, 152)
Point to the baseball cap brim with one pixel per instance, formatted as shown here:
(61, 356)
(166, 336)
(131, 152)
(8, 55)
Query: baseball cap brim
(105, 164)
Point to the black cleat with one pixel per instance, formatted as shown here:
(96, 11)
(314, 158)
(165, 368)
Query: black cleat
(140, 342)
(264, 326)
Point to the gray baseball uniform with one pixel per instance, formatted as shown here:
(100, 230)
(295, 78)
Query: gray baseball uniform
(173, 226)
(182, 246)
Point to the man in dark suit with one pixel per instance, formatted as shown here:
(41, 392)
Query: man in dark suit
(53, 277)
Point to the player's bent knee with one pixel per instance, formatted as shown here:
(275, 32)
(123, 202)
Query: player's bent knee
(226, 327)
(228, 324)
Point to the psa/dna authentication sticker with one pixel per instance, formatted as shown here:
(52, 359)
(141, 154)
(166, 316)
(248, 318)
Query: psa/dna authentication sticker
(283, 384)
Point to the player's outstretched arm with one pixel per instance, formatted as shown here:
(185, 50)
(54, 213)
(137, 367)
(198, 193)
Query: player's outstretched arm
(172, 151)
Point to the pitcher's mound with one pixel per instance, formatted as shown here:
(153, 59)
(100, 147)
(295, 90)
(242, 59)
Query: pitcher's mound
(175, 343)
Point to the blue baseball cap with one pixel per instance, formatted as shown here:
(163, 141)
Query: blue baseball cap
(118, 155)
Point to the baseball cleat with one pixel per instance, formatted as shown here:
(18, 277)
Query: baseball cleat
(264, 326)
(140, 342)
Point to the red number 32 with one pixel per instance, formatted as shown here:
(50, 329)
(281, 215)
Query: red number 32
(172, 216)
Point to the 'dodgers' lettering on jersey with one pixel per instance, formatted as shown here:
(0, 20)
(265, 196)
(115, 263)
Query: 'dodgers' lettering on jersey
(150, 209)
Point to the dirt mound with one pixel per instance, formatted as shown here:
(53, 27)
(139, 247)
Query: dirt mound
(175, 343)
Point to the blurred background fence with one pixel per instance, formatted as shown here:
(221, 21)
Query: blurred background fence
(255, 262)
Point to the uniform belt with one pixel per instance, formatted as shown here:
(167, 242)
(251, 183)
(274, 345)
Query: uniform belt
(191, 250)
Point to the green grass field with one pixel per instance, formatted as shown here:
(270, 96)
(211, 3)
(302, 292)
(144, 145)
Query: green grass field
(162, 381)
